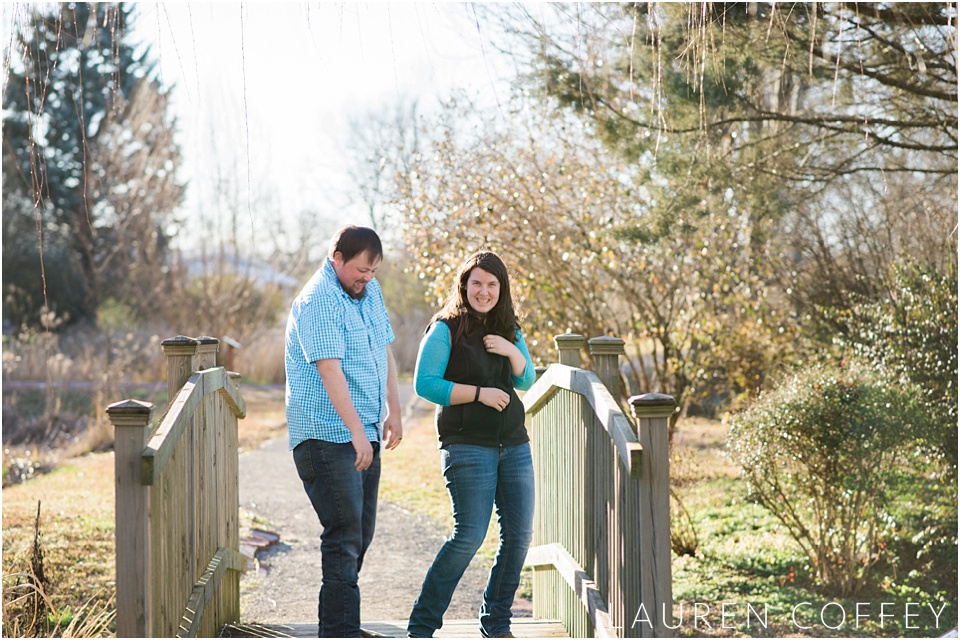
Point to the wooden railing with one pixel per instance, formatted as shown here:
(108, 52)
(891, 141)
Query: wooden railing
(177, 511)
(601, 547)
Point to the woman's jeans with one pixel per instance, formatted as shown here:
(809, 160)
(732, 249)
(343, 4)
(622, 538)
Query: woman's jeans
(479, 478)
(346, 503)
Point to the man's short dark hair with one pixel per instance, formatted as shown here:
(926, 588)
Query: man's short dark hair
(351, 241)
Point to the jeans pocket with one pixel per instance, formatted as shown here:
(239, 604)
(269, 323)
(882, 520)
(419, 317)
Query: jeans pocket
(304, 461)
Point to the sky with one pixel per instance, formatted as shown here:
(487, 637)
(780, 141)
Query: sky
(264, 94)
(267, 90)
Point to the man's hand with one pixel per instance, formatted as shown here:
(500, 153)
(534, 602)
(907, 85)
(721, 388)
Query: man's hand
(392, 431)
(364, 450)
(392, 427)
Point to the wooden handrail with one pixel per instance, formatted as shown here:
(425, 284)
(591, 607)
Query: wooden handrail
(554, 555)
(587, 384)
(178, 558)
(206, 587)
(602, 521)
(164, 441)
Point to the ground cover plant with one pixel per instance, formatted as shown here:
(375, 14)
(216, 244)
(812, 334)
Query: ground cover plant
(746, 556)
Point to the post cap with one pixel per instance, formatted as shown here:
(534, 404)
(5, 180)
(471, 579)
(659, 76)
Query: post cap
(568, 341)
(179, 341)
(652, 405)
(129, 408)
(207, 340)
(606, 346)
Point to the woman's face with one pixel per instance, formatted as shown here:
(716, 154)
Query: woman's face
(483, 290)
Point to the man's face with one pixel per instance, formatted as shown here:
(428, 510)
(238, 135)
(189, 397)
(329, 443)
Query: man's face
(355, 273)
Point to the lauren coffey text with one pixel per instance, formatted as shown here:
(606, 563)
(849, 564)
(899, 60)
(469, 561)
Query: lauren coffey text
(835, 616)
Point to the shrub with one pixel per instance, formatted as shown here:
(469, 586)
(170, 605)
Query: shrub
(912, 332)
(823, 453)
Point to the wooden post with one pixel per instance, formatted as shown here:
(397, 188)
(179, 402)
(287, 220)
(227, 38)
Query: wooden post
(179, 567)
(205, 470)
(207, 348)
(568, 346)
(652, 412)
(231, 508)
(131, 423)
(540, 371)
(606, 352)
(180, 351)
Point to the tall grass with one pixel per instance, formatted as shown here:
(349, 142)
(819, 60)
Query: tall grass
(28, 610)
(24, 599)
(261, 360)
(68, 379)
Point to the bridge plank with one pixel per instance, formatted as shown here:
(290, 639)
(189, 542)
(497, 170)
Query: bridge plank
(521, 628)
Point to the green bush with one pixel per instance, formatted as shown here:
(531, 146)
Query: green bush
(912, 332)
(824, 453)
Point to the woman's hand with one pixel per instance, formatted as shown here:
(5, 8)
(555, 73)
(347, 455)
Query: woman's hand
(499, 345)
(503, 347)
(495, 398)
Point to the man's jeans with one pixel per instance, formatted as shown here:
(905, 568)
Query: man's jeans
(346, 502)
(479, 478)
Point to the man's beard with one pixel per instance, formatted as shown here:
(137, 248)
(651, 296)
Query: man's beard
(353, 294)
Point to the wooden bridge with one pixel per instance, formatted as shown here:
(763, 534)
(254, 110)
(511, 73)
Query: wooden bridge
(601, 548)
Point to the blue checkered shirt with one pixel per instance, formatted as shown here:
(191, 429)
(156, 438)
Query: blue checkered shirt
(325, 322)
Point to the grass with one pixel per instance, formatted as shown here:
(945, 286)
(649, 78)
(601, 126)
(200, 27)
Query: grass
(77, 536)
(266, 418)
(746, 557)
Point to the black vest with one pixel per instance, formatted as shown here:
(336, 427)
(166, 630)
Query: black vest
(475, 422)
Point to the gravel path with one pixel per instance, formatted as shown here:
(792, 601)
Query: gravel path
(284, 590)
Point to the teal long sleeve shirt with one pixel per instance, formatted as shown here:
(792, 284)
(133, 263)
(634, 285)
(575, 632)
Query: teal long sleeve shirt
(434, 355)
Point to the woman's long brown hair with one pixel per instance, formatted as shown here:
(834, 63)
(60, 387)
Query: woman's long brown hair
(501, 320)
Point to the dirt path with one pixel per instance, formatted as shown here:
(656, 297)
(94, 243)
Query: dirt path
(284, 590)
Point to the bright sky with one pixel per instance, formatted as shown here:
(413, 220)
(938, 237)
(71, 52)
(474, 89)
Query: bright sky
(267, 90)
(276, 83)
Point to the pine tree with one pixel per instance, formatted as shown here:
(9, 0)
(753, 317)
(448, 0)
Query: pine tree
(89, 162)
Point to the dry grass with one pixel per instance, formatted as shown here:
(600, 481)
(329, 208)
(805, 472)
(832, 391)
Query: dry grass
(261, 360)
(77, 534)
(266, 417)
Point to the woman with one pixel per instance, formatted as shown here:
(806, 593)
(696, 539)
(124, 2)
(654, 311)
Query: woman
(471, 360)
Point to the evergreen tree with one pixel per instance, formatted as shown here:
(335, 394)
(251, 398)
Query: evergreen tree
(89, 164)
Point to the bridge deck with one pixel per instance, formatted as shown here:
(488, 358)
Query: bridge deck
(522, 628)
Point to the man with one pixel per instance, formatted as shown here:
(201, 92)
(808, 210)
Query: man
(342, 396)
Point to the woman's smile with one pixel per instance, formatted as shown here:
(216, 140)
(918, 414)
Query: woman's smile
(483, 290)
